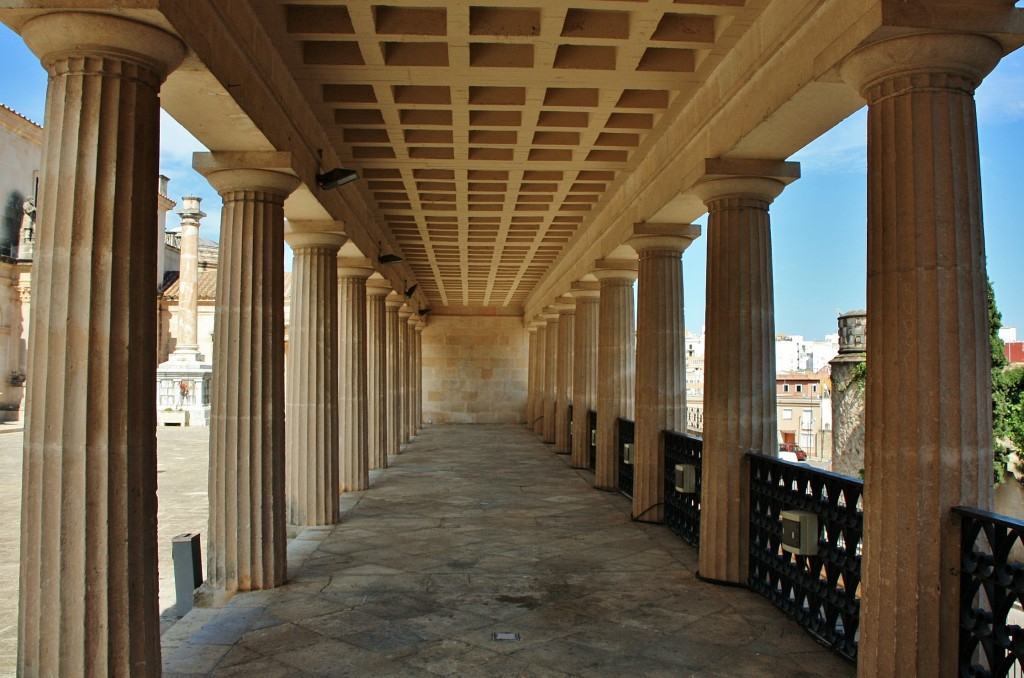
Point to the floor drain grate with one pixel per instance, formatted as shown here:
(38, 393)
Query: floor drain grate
(507, 636)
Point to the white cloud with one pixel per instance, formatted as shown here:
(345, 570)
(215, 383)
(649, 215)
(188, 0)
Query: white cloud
(176, 149)
(1000, 97)
(841, 150)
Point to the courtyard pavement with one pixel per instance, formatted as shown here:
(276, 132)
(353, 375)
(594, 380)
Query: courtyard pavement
(182, 462)
(476, 534)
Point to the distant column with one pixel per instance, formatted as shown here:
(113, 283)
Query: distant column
(392, 303)
(550, 374)
(422, 325)
(188, 279)
(376, 373)
(540, 397)
(354, 452)
(247, 506)
(88, 593)
(412, 396)
(928, 443)
(739, 363)
(531, 372)
(584, 368)
(616, 356)
(660, 358)
(311, 397)
(563, 381)
(404, 313)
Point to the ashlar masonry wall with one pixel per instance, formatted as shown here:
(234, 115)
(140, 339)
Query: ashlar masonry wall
(474, 370)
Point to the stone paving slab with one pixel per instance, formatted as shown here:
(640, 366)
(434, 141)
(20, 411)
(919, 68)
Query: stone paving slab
(478, 530)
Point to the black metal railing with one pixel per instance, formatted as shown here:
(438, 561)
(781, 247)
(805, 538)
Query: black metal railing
(991, 580)
(682, 510)
(592, 428)
(820, 592)
(626, 431)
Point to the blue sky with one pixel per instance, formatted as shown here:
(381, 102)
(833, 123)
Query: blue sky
(818, 224)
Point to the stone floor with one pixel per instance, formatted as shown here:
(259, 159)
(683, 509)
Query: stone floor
(481, 530)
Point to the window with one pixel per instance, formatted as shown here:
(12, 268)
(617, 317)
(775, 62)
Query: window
(814, 388)
(785, 388)
(787, 413)
(799, 388)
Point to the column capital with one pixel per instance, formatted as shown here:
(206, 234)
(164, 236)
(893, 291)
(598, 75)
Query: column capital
(404, 311)
(394, 301)
(664, 237)
(354, 267)
(298, 237)
(532, 327)
(585, 289)
(748, 178)
(52, 35)
(615, 269)
(549, 314)
(229, 180)
(420, 325)
(564, 304)
(378, 287)
(413, 320)
(969, 56)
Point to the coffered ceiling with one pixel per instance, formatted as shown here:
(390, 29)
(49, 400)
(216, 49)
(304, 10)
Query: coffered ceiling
(488, 135)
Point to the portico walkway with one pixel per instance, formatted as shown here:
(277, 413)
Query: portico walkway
(476, 530)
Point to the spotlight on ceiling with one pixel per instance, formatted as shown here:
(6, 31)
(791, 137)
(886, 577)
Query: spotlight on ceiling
(423, 312)
(336, 178)
(388, 259)
(412, 290)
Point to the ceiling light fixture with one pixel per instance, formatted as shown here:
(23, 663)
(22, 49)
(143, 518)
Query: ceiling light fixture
(336, 178)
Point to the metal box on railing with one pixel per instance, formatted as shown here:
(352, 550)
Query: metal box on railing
(799, 532)
(686, 478)
(627, 453)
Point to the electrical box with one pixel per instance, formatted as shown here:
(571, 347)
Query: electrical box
(799, 532)
(627, 453)
(686, 478)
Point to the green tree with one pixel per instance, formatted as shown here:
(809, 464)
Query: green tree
(1007, 395)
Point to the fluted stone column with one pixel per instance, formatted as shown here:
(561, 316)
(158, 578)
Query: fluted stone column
(418, 404)
(376, 373)
(616, 356)
(311, 398)
(584, 368)
(247, 505)
(540, 397)
(404, 313)
(354, 451)
(928, 444)
(660, 358)
(739, 364)
(392, 303)
(563, 381)
(550, 374)
(411, 395)
(188, 279)
(531, 372)
(88, 590)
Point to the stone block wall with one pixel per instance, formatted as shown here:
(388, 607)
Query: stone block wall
(474, 370)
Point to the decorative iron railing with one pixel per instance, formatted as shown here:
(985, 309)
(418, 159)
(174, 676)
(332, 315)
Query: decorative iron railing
(626, 431)
(682, 508)
(592, 427)
(820, 591)
(991, 581)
